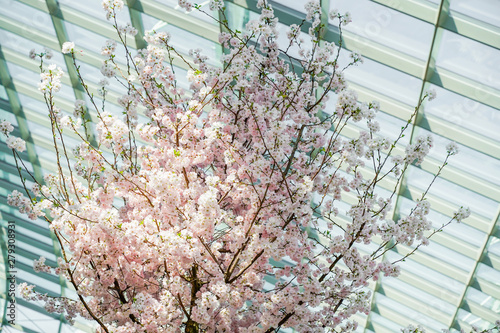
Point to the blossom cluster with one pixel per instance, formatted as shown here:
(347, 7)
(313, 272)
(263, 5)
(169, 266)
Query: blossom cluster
(50, 80)
(6, 127)
(111, 7)
(12, 142)
(16, 143)
(68, 47)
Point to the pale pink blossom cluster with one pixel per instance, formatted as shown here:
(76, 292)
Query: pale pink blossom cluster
(46, 54)
(16, 143)
(356, 57)
(69, 307)
(216, 5)
(452, 148)
(79, 110)
(68, 47)
(26, 206)
(109, 48)
(431, 94)
(12, 142)
(39, 265)
(111, 7)
(17, 199)
(416, 152)
(127, 29)
(25, 290)
(187, 5)
(108, 69)
(6, 127)
(462, 213)
(50, 79)
(220, 212)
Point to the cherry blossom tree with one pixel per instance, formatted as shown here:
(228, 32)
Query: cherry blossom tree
(219, 213)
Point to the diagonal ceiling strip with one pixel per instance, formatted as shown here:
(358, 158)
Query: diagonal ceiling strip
(456, 22)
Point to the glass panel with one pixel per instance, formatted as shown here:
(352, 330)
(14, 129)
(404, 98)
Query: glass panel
(71, 329)
(449, 256)
(488, 273)
(468, 160)
(465, 113)
(387, 26)
(92, 42)
(174, 4)
(12, 178)
(33, 104)
(23, 74)
(390, 325)
(446, 190)
(39, 280)
(384, 80)
(483, 299)
(20, 44)
(35, 247)
(297, 5)
(8, 158)
(45, 154)
(461, 231)
(412, 315)
(7, 115)
(469, 58)
(238, 16)
(94, 8)
(181, 39)
(30, 19)
(32, 79)
(494, 246)
(3, 93)
(483, 10)
(471, 319)
(94, 75)
(447, 284)
(34, 320)
(432, 302)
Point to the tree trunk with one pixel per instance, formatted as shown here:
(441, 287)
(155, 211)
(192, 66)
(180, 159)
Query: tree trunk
(192, 327)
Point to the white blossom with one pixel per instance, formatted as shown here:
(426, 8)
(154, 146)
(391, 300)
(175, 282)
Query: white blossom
(6, 127)
(356, 57)
(462, 213)
(16, 143)
(68, 47)
(346, 18)
(452, 148)
(431, 93)
(32, 54)
(48, 54)
(111, 7)
(25, 290)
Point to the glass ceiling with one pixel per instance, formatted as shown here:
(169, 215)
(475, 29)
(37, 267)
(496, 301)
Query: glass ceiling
(410, 46)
